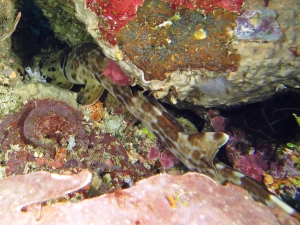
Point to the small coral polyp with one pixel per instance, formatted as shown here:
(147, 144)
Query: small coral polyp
(161, 40)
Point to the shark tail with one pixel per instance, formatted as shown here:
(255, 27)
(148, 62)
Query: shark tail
(255, 189)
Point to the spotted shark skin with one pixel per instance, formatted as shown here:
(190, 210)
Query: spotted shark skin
(71, 66)
(196, 151)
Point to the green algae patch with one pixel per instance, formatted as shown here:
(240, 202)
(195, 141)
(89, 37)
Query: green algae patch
(148, 133)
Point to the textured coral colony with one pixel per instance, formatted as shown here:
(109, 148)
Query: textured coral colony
(226, 70)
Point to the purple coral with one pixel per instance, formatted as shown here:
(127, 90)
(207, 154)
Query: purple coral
(258, 25)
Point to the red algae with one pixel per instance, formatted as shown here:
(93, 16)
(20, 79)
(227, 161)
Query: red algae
(166, 158)
(16, 158)
(113, 15)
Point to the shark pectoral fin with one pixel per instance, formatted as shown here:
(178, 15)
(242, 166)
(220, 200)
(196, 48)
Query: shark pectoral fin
(92, 91)
(61, 82)
(206, 145)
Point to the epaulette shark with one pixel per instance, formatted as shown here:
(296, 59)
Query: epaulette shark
(85, 63)
(72, 66)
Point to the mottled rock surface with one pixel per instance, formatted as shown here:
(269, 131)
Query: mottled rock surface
(259, 66)
(163, 199)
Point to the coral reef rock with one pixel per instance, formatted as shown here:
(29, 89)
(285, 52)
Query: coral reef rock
(162, 199)
(61, 15)
(227, 53)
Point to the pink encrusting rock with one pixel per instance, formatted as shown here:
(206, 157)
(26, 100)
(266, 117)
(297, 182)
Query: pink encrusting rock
(20, 191)
(192, 198)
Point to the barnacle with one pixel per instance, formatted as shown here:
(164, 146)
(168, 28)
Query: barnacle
(161, 40)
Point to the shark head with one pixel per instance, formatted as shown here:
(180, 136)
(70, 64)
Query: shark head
(77, 65)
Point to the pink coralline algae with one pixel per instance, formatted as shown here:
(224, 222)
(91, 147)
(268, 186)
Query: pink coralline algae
(162, 199)
(219, 123)
(18, 192)
(116, 74)
(166, 158)
(252, 165)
